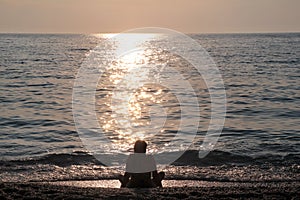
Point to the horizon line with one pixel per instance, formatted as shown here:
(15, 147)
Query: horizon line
(106, 32)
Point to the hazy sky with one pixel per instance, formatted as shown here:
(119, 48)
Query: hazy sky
(201, 16)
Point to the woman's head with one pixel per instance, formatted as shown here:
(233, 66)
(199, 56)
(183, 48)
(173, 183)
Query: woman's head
(140, 146)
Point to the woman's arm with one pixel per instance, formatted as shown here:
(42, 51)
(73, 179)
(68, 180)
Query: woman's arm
(157, 178)
(126, 178)
(155, 175)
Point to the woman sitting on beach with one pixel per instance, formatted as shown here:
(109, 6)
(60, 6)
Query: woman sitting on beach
(141, 169)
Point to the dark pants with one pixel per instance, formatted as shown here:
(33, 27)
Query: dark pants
(143, 183)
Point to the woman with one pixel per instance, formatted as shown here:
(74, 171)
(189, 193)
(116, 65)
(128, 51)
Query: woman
(141, 169)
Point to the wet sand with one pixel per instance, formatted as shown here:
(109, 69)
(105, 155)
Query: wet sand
(173, 189)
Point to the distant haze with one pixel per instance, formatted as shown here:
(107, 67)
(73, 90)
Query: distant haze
(190, 16)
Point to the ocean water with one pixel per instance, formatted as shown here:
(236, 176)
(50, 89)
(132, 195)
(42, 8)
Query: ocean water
(260, 140)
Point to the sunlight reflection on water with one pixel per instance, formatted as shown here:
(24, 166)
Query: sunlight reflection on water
(145, 90)
(125, 109)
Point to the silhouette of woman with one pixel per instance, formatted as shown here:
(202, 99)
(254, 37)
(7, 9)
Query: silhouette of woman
(141, 169)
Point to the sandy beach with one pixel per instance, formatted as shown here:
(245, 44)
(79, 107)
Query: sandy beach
(271, 190)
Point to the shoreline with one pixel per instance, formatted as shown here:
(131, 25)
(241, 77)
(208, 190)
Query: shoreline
(46, 190)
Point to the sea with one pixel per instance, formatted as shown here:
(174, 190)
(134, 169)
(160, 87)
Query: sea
(40, 139)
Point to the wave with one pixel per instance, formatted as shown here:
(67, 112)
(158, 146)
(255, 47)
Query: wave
(217, 166)
(188, 158)
(217, 158)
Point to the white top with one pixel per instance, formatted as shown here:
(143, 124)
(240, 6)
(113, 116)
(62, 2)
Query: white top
(140, 163)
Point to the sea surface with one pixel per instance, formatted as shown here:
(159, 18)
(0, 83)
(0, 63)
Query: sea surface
(260, 139)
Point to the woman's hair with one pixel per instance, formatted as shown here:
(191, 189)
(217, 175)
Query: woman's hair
(140, 146)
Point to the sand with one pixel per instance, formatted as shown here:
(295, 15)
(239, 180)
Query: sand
(200, 190)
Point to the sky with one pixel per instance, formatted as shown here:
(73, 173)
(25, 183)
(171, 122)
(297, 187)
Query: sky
(112, 16)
